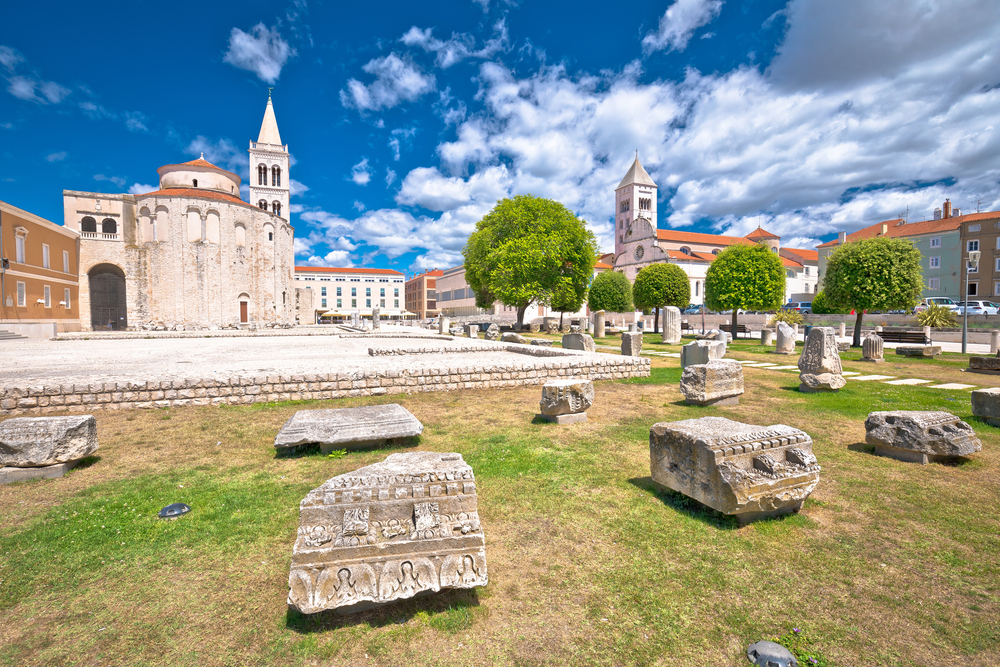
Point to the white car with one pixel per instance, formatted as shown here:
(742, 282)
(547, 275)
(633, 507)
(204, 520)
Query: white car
(977, 307)
(937, 300)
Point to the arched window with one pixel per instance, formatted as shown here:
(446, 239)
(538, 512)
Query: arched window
(241, 236)
(790, 273)
(262, 205)
(696, 287)
(276, 207)
(261, 174)
(88, 224)
(715, 251)
(686, 250)
(195, 181)
(270, 236)
(109, 226)
(276, 176)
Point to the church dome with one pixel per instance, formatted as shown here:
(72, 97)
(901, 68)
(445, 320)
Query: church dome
(199, 174)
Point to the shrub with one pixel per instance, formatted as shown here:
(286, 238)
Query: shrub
(787, 316)
(611, 291)
(937, 316)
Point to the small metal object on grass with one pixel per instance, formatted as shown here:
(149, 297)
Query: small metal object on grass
(174, 510)
(769, 654)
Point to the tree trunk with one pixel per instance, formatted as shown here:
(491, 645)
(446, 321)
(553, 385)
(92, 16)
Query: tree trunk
(733, 332)
(561, 313)
(656, 320)
(857, 329)
(520, 314)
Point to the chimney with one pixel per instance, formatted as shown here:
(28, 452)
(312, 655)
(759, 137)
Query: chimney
(885, 228)
(956, 212)
(947, 209)
(842, 238)
(937, 214)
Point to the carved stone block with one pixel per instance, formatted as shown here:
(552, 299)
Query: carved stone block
(472, 330)
(749, 471)
(986, 405)
(444, 325)
(357, 547)
(566, 401)
(701, 352)
(534, 327)
(719, 382)
(920, 436)
(349, 428)
(36, 442)
(990, 365)
(631, 343)
(820, 362)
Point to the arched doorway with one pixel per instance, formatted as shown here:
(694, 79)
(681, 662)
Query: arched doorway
(244, 301)
(108, 309)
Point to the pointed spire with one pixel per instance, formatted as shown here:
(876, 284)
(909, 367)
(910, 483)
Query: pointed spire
(636, 174)
(269, 127)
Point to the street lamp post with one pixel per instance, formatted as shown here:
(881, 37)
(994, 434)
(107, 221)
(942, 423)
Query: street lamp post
(973, 265)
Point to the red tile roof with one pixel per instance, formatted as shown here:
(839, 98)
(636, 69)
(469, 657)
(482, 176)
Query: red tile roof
(761, 233)
(791, 263)
(805, 255)
(195, 192)
(336, 269)
(697, 237)
(602, 265)
(898, 229)
(201, 162)
(607, 258)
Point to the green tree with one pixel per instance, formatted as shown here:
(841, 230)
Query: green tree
(660, 285)
(873, 274)
(529, 249)
(611, 291)
(747, 276)
(822, 306)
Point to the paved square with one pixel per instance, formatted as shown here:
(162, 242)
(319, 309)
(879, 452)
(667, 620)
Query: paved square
(908, 381)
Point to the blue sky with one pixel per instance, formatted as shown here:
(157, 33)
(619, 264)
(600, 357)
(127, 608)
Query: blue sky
(408, 121)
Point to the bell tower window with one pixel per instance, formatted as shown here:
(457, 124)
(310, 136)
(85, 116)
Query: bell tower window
(276, 176)
(262, 205)
(261, 174)
(276, 207)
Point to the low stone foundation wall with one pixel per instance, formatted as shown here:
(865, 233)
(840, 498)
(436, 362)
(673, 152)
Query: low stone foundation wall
(246, 389)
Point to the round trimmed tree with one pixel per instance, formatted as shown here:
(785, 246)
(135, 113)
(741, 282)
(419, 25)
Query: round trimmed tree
(873, 274)
(611, 291)
(660, 285)
(747, 276)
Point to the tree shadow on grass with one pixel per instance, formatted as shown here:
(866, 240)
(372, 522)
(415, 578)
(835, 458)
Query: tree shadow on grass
(314, 449)
(690, 506)
(446, 602)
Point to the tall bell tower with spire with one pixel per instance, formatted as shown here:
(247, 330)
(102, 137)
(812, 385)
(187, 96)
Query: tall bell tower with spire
(269, 182)
(635, 199)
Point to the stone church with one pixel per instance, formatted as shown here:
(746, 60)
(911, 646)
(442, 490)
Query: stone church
(192, 253)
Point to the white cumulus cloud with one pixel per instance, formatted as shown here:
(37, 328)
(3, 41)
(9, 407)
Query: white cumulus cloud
(262, 51)
(397, 80)
(141, 188)
(678, 24)
(459, 47)
(361, 173)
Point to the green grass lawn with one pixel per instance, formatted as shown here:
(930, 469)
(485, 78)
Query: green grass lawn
(888, 563)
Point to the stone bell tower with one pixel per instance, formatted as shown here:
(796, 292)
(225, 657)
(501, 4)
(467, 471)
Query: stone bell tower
(635, 197)
(269, 178)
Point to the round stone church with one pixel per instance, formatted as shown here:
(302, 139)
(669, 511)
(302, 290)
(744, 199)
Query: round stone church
(191, 254)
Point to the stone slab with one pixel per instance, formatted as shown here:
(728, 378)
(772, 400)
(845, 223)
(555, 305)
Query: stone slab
(349, 428)
(932, 434)
(785, 368)
(987, 364)
(11, 475)
(847, 374)
(572, 418)
(952, 385)
(927, 351)
(578, 341)
(405, 527)
(873, 378)
(35, 442)
(909, 381)
(738, 469)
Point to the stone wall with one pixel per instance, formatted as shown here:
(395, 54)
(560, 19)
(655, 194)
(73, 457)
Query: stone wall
(246, 389)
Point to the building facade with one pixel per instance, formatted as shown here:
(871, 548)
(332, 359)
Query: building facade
(421, 294)
(456, 299)
(192, 253)
(38, 274)
(341, 294)
(981, 231)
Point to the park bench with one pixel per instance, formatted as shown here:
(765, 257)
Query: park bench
(686, 326)
(740, 329)
(916, 337)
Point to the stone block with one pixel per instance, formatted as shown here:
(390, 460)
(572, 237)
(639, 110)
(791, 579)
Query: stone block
(539, 342)
(765, 336)
(35, 442)
(563, 397)
(989, 365)
(398, 529)
(719, 382)
(631, 343)
(671, 325)
(749, 471)
(492, 332)
(534, 327)
(986, 405)
(786, 339)
(349, 428)
(472, 330)
(820, 363)
(579, 341)
(511, 337)
(920, 436)
(930, 351)
(811, 383)
(701, 352)
(551, 324)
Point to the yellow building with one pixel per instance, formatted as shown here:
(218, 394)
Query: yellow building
(38, 275)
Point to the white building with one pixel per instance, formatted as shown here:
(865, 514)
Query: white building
(342, 294)
(456, 299)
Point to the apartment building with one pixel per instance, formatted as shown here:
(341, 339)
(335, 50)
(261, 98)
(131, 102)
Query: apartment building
(421, 294)
(345, 294)
(981, 231)
(38, 274)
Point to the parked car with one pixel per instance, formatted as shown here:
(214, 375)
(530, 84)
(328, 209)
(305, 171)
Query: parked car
(977, 307)
(694, 309)
(938, 300)
(805, 307)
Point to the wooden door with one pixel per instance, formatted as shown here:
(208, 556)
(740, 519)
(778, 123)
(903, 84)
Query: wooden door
(243, 312)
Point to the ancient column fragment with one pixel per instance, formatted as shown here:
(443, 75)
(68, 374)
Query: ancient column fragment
(872, 348)
(405, 527)
(719, 382)
(599, 324)
(820, 363)
(702, 352)
(920, 436)
(671, 325)
(349, 428)
(786, 339)
(376, 319)
(749, 471)
(566, 401)
(765, 336)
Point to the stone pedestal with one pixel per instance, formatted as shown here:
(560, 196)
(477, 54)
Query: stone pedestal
(920, 437)
(702, 352)
(631, 343)
(9, 475)
(750, 471)
(929, 351)
(444, 325)
(994, 341)
(872, 348)
(986, 405)
(765, 336)
(349, 428)
(843, 330)
(786, 339)
(599, 324)
(819, 365)
(393, 530)
(671, 325)
(719, 382)
(566, 401)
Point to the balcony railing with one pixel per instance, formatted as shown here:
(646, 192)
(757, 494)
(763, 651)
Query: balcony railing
(101, 236)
